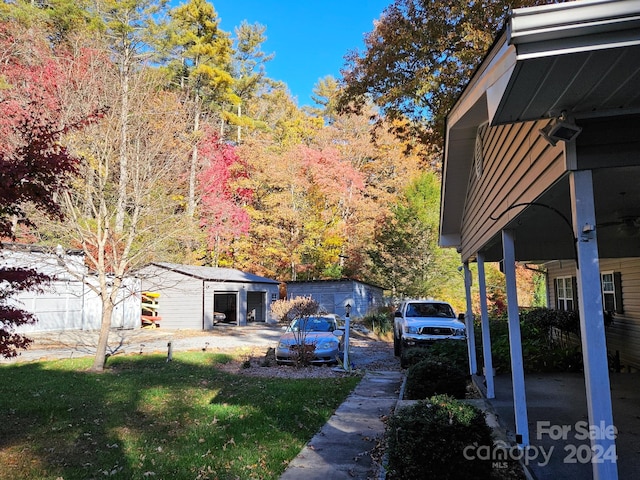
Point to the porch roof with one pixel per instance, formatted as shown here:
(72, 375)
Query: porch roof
(579, 58)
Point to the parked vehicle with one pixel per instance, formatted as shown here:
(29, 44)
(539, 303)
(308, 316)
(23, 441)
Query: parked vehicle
(419, 323)
(319, 336)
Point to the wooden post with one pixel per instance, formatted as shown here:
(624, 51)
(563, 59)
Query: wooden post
(594, 343)
(486, 335)
(515, 340)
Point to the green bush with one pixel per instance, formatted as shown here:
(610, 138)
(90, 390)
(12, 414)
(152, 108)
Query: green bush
(413, 355)
(548, 341)
(428, 440)
(451, 351)
(434, 376)
(379, 321)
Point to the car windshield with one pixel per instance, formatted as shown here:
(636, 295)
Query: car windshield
(430, 310)
(313, 324)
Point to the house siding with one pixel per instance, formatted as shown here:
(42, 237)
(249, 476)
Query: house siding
(533, 165)
(623, 335)
(67, 303)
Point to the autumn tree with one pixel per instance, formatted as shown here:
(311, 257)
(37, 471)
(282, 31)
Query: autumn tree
(35, 168)
(60, 18)
(418, 59)
(151, 226)
(406, 257)
(223, 198)
(128, 27)
(380, 160)
(200, 54)
(302, 198)
(249, 76)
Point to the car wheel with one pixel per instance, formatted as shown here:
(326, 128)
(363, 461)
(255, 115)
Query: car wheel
(396, 346)
(403, 360)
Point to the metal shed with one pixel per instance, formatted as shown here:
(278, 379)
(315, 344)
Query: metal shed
(68, 301)
(333, 295)
(189, 295)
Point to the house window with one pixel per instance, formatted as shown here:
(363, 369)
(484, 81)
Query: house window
(565, 293)
(608, 292)
(611, 292)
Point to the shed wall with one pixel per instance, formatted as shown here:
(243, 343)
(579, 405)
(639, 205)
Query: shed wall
(187, 302)
(71, 305)
(333, 296)
(181, 298)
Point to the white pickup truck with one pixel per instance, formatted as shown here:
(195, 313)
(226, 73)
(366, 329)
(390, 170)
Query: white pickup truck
(421, 322)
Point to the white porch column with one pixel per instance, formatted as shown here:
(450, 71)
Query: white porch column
(594, 345)
(468, 320)
(486, 334)
(515, 340)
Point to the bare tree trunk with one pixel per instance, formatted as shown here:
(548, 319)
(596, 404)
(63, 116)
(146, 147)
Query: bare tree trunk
(191, 206)
(239, 138)
(100, 359)
(124, 138)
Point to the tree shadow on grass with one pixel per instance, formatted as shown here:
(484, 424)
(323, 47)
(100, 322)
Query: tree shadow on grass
(145, 417)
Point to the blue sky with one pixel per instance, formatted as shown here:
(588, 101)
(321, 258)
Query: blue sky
(309, 38)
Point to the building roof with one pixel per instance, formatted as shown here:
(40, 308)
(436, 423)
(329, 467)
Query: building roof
(580, 59)
(339, 280)
(215, 274)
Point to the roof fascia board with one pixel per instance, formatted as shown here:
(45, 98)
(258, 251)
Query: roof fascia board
(477, 104)
(492, 77)
(572, 27)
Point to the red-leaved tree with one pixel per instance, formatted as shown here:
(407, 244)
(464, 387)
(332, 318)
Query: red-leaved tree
(223, 197)
(34, 166)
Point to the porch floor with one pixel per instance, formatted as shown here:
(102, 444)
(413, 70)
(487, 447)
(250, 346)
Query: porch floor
(558, 401)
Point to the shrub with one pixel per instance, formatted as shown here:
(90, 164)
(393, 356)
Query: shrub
(412, 356)
(451, 351)
(548, 341)
(433, 376)
(428, 440)
(379, 321)
(287, 310)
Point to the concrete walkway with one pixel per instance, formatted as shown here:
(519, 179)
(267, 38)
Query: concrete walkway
(342, 448)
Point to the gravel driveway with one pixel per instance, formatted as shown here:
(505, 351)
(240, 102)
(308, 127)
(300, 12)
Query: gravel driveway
(255, 341)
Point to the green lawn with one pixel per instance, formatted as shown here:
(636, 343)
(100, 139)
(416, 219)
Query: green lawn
(145, 418)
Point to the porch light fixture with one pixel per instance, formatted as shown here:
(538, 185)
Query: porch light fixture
(560, 129)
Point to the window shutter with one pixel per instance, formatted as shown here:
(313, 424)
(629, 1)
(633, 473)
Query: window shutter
(555, 284)
(617, 285)
(574, 287)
